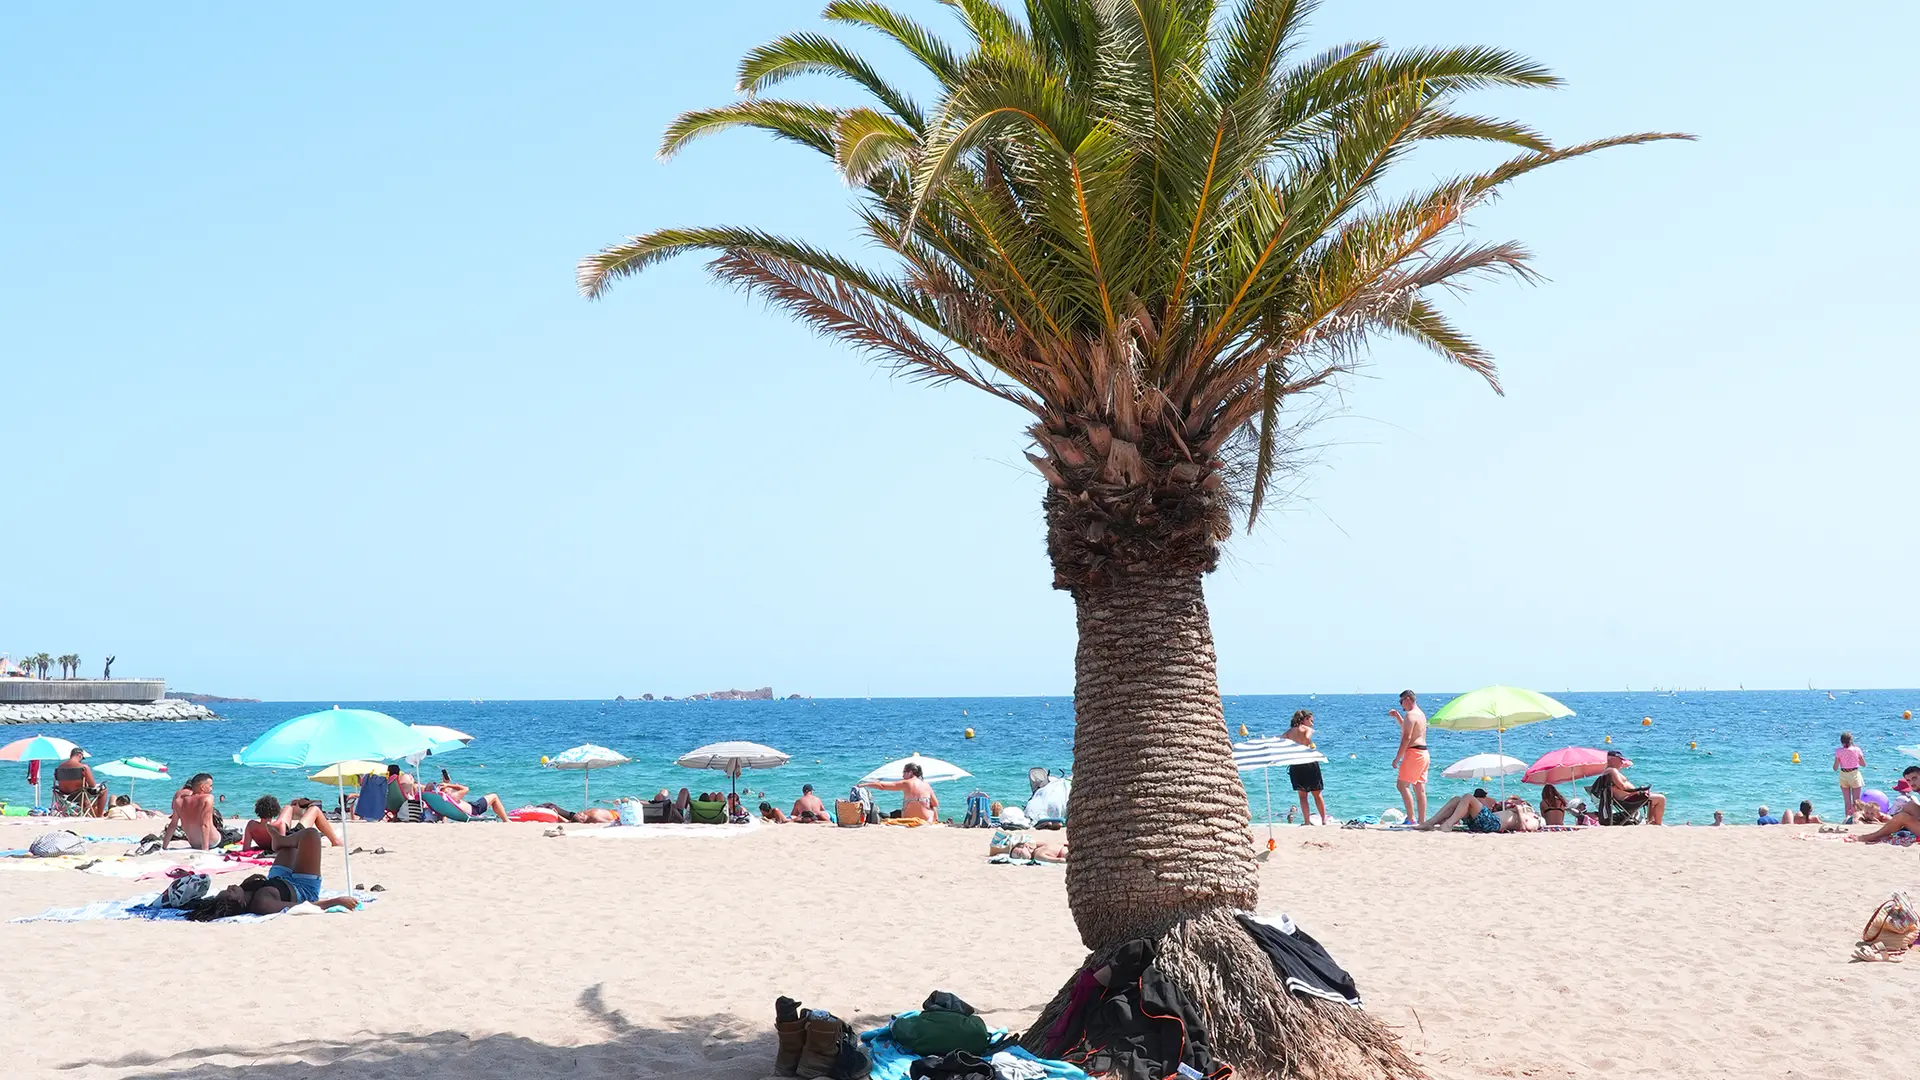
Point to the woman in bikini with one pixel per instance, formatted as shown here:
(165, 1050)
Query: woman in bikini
(917, 799)
(1306, 778)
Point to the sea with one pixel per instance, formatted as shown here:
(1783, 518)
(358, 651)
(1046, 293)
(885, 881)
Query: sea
(1707, 750)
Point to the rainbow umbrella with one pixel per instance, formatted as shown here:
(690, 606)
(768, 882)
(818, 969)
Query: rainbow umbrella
(36, 748)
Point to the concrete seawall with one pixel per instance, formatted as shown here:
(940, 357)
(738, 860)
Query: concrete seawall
(76, 691)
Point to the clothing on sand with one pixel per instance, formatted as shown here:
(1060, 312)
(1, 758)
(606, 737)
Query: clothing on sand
(1301, 962)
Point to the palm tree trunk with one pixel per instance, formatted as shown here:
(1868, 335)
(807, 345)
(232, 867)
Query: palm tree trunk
(1161, 844)
(1159, 818)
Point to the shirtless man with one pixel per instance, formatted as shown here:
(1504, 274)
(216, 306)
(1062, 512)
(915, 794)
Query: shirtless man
(193, 813)
(808, 806)
(1906, 814)
(1411, 759)
(1625, 794)
(272, 821)
(294, 877)
(73, 778)
(462, 796)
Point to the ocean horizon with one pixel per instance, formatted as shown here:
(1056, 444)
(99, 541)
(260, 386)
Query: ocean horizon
(1727, 750)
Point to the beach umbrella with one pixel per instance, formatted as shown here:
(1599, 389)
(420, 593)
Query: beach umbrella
(445, 741)
(731, 758)
(1265, 754)
(1483, 766)
(932, 770)
(36, 748)
(132, 769)
(587, 757)
(349, 773)
(1496, 709)
(331, 737)
(1567, 764)
(1910, 751)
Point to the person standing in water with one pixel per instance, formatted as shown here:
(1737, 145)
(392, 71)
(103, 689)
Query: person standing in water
(1411, 760)
(1306, 778)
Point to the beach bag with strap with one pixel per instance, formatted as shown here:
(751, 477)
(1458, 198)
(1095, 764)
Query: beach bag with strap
(1890, 932)
(54, 844)
(185, 891)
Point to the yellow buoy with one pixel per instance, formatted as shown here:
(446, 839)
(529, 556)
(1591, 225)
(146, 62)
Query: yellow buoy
(1609, 740)
(1693, 746)
(1646, 721)
(543, 759)
(1796, 757)
(969, 733)
(1908, 715)
(1243, 731)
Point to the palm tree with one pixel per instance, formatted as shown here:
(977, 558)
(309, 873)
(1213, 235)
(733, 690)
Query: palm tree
(42, 662)
(1163, 230)
(70, 666)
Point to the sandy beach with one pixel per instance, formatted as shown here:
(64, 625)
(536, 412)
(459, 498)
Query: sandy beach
(497, 952)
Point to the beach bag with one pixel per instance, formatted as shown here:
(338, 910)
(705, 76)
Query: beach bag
(941, 1031)
(632, 811)
(185, 891)
(977, 815)
(54, 844)
(1890, 932)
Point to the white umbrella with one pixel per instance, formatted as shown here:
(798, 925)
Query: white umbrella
(445, 741)
(1267, 753)
(932, 770)
(587, 757)
(131, 769)
(732, 757)
(1482, 766)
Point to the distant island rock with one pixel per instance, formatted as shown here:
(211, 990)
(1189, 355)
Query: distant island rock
(209, 699)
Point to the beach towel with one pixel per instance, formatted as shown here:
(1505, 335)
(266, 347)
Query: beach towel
(145, 907)
(891, 1061)
(1301, 962)
(372, 803)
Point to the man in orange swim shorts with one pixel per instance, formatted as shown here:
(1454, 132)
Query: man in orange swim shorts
(1412, 760)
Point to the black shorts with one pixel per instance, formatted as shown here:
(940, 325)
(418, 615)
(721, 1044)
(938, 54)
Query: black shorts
(1305, 777)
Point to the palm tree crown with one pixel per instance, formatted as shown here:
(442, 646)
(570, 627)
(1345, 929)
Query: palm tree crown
(1147, 223)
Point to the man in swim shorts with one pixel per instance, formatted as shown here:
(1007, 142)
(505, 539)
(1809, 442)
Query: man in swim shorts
(1411, 760)
(296, 861)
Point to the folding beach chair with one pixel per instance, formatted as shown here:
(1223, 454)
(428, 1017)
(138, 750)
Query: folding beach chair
(1609, 810)
(70, 803)
(1037, 778)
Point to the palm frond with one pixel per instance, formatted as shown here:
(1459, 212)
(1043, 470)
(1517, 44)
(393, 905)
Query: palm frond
(804, 54)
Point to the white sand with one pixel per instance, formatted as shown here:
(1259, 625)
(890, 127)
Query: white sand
(498, 953)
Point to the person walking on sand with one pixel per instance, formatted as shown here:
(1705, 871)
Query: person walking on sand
(1850, 761)
(1306, 777)
(1412, 759)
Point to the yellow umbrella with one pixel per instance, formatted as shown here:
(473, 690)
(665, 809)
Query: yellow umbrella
(349, 772)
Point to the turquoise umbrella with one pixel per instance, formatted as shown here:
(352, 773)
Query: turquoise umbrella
(131, 769)
(329, 738)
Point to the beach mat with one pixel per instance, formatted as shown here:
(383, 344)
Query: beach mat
(139, 908)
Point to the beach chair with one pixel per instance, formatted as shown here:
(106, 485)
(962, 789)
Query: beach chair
(445, 807)
(1037, 778)
(69, 803)
(707, 813)
(1609, 810)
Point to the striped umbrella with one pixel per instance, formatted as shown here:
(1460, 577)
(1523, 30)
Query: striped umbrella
(587, 757)
(1267, 753)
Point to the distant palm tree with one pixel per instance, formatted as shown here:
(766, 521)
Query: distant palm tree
(1157, 228)
(42, 662)
(70, 666)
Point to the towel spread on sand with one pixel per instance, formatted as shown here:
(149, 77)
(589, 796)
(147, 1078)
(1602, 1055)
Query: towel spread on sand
(891, 1060)
(145, 907)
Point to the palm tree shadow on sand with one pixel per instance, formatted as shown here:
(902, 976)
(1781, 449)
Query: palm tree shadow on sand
(721, 1045)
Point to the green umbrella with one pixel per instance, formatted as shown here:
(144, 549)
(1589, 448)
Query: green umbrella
(1496, 708)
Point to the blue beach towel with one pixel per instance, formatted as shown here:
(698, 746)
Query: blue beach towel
(891, 1060)
(147, 906)
(372, 804)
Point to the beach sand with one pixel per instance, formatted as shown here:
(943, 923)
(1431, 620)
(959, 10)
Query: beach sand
(496, 952)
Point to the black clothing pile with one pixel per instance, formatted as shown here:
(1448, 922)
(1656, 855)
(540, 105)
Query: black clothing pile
(1138, 1025)
(1301, 962)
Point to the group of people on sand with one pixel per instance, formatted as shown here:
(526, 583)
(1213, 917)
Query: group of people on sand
(917, 800)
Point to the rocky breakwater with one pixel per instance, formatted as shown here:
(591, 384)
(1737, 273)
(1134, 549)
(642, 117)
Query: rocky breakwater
(85, 712)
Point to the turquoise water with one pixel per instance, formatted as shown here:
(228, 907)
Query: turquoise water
(1746, 740)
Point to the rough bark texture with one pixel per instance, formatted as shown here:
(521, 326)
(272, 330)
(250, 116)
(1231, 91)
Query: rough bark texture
(1160, 822)
(1161, 844)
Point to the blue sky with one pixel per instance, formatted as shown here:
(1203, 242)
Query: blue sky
(300, 401)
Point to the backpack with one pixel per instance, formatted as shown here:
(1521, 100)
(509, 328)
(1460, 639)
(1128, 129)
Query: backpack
(185, 891)
(978, 815)
(53, 844)
(1890, 932)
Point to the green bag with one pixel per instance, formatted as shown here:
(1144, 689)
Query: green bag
(938, 1032)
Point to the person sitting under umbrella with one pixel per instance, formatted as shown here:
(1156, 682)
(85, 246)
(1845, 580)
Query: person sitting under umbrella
(1553, 805)
(917, 799)
(1628, 797)
(462, 796)
(75, 780)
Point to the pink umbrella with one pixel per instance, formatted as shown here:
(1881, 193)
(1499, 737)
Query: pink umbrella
(1567, 763)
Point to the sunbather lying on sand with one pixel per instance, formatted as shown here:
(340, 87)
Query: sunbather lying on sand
(294, 878)
(1467, 808)
(462, 796)
(770, 812)
(1039, 851)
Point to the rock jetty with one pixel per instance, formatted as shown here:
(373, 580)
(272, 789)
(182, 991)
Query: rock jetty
(83, 712)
